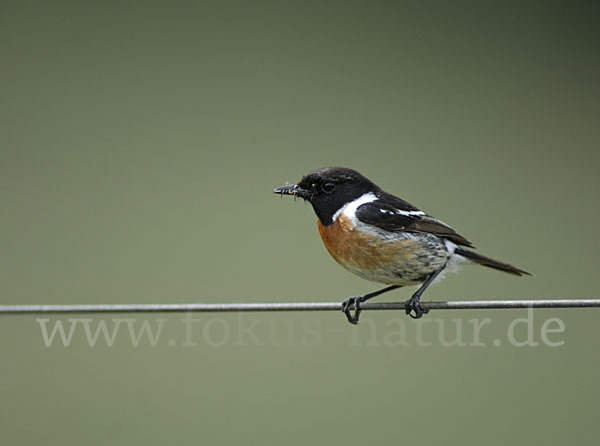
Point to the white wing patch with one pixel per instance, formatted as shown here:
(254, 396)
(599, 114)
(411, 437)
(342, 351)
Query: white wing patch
(399, 212)
(410, 212)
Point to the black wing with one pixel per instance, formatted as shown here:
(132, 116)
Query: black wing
(396, 215)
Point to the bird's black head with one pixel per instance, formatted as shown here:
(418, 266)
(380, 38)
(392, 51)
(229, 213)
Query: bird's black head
(328, 189)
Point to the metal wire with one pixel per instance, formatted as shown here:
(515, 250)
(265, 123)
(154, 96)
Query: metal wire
(294, 306)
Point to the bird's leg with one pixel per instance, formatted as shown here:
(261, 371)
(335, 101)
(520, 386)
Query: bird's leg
(356, 301)
(414, 303)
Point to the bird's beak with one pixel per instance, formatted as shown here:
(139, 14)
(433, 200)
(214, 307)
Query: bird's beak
(292, 189)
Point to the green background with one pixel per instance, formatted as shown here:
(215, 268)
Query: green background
(139, 146)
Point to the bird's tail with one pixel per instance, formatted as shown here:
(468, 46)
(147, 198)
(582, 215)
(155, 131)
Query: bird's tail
(486, 261)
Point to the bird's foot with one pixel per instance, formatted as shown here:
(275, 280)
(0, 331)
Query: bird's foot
(414, 309)
(352, 302)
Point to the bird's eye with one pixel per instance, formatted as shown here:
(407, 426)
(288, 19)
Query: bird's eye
(328, 187)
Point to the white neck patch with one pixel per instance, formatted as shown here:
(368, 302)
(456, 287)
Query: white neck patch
(349, 209)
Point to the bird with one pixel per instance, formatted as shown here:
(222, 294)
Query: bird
(382, 238)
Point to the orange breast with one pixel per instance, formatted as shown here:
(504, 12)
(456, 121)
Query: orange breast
(391, 261)
(341, 240)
